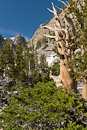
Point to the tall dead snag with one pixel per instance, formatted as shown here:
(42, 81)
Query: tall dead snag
(65, 36)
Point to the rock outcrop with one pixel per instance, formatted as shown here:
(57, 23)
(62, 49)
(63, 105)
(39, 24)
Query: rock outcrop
(18, 39)
(13, 40)
(47, 45)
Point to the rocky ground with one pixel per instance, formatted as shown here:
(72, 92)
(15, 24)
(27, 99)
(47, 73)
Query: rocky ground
(3, 98)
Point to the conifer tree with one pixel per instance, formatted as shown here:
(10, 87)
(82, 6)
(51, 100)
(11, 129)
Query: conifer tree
(19, 63)
(71, 34)
(7, 60)
(44, 69)
(80, 57)
(27, 61)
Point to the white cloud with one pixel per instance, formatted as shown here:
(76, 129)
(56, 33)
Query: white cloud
(12, 33)
(9, 32)
(27, 38)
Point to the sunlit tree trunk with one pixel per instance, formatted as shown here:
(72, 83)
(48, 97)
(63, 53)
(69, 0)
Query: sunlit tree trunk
(84, 89)
(65, 45)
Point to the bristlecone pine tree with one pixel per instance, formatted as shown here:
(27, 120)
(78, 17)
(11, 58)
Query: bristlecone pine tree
(66, 36)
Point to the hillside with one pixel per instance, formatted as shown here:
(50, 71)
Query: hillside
(44, 45)
(43, 81)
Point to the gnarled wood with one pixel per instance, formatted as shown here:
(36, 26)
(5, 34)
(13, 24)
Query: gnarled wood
(64, 43)
(84, 89)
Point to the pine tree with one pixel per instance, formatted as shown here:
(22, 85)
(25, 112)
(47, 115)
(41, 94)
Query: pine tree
(19, 63)
(44, 69)
(80, 57)
(55, 68)
(7, 60)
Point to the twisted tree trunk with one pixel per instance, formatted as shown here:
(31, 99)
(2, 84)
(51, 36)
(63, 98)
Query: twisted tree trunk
(84, 89)
(65, 45)
(65, 73)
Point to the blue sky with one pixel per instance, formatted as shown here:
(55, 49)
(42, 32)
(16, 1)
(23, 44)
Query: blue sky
(24, 16)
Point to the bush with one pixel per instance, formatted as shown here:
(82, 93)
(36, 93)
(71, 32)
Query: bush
(45, 107)
(45, 46)
(38, 44)
(55, 68)
(42, 42)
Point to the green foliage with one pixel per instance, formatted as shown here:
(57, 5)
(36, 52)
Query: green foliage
(80, 57)
(38, 44)
(45, 107)
(55, 50)
(53, 34)
(45, 46)
(7, 60)
(74, 126)
(42, 42)
(12, 62)
(56, 68)
(20, 63)
(44, 69)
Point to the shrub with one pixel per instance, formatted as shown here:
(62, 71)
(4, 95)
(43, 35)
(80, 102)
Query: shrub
(45, 107)
(38, 44)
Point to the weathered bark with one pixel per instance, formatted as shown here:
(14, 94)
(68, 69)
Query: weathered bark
(1, 129)
(65, 73)
(64, 45)
(57, 80)
(84, 82)
(84, 89)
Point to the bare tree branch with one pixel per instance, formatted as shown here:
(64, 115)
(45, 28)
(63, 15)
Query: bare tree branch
(63, 2)
(55, 29)
(54, 11)
(59, 8)
(49, 36)
(51, 10)
(54, 8)
(50, 28)
(67, 5)
(65, 43)
(59, 30)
